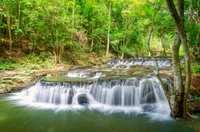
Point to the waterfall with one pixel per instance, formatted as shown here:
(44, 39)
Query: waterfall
(162, 62)
(59, 93)
(145, 95)
(104, 90)
(128, 92)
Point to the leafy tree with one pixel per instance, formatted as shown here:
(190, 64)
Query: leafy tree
(179, 99)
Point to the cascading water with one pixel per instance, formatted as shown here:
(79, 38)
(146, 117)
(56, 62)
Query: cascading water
(162, 62)
(93, 90)
(144, 95)
(128, 92)
(56, 93)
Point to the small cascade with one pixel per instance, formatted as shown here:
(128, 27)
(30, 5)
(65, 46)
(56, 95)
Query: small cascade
(81, 74)
(128, 92)
(111, 89)
(118, 63)
(145, 94)
(58, 93)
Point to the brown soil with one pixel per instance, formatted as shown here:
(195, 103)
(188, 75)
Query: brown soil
(196, 82)
(194, 98)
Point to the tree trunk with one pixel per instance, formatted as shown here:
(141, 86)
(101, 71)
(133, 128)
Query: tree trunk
(122, 55)
(151, 31)
(9, 29)
(188, 73)
(1, 36)
(92, 41)
(54, 49)
(123, 44)
(73, 12)
(152, 55)
(18, 19)
(179, 109)
(163, 45)
(55, 56)
(108, 34)
(92, 44)
(178, 82)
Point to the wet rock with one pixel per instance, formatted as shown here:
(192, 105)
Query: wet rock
(83, 99)
(121, 66)
(3, 91)
(148, 107)
(70, 97)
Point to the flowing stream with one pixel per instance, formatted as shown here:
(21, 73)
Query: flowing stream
(107, 99)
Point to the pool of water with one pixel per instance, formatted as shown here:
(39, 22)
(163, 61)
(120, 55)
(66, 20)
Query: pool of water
(15, 118)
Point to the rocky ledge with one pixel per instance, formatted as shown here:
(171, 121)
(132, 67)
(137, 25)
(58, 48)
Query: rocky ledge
(16, 80)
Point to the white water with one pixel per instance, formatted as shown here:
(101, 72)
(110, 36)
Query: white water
(124, 95)
(129, 92)
(83, 74)
(132, 95)
(162, 62)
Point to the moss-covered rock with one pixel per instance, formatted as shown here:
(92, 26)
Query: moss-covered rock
(7, 81)
(66, 79)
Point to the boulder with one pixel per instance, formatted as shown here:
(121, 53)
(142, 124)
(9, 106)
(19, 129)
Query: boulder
(83, 99)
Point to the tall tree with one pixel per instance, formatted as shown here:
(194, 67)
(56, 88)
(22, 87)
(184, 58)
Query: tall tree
(179, 104)
(109, 24)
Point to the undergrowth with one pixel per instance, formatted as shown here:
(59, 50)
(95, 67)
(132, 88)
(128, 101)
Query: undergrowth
(30, 62)
(9, 64)
(195, 68)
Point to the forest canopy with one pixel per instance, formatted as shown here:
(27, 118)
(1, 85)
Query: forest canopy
(68, 29)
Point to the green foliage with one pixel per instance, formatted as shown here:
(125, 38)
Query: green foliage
(197, 97)
(9, 65)
(44, 55)
(55, 24)
(195, 68)
(38, 61)
(181, 52)
(190, 107)
(31, 59)
(7, 81)
(76, 26)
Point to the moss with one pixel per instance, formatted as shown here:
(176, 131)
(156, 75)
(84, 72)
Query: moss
(7, 81)
(66, 79)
